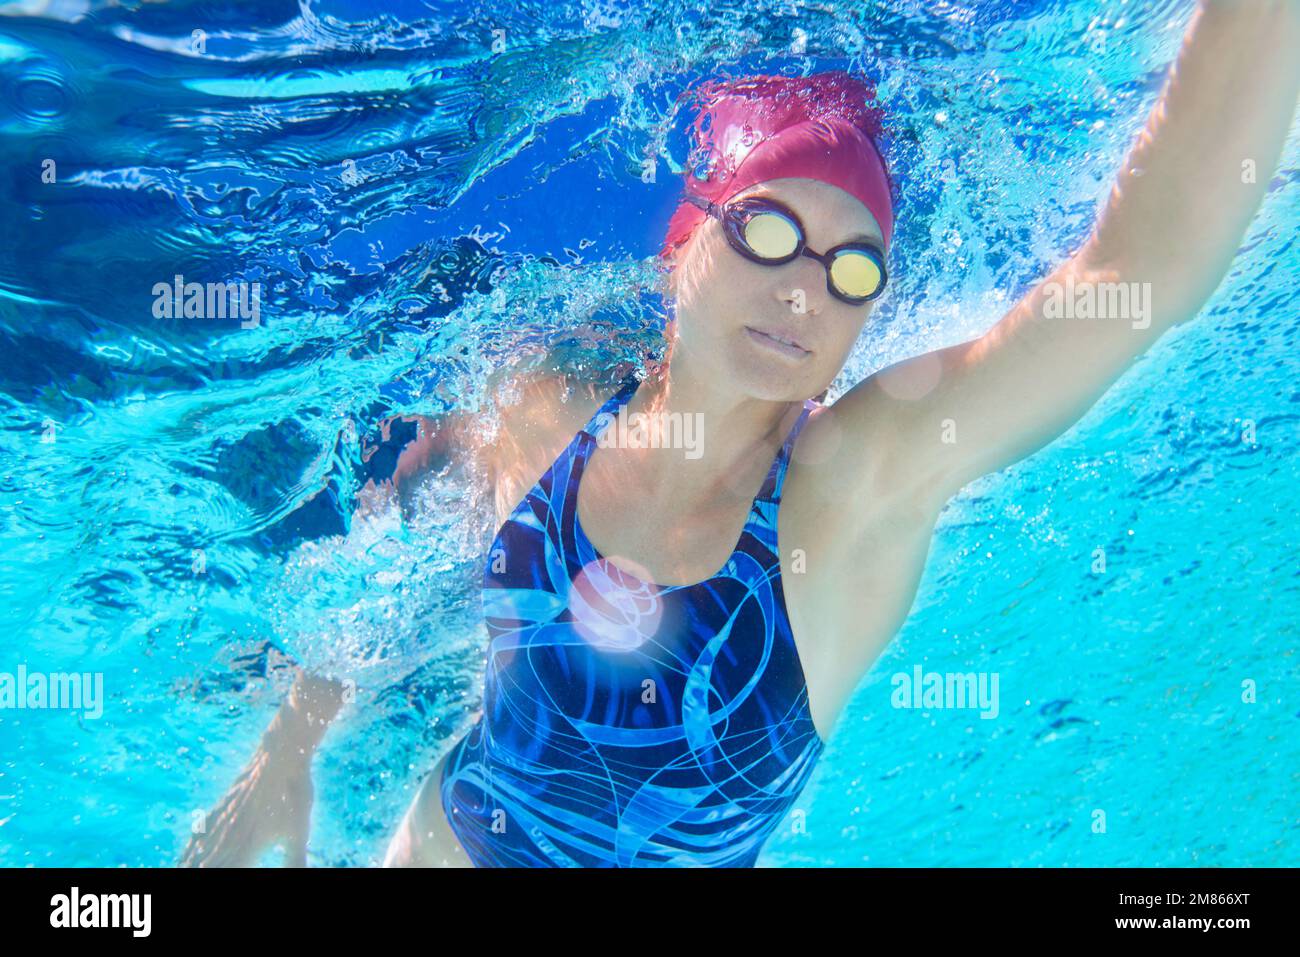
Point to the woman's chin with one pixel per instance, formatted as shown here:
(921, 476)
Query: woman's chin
(773, 380)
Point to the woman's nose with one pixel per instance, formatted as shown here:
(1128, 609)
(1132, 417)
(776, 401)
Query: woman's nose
(804, 291)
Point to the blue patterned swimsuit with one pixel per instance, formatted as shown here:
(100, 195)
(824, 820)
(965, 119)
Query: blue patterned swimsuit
(627, 724)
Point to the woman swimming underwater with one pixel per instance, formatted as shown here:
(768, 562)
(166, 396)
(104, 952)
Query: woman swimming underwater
(673, 636)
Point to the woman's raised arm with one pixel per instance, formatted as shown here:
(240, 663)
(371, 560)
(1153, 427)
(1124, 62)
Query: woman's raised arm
(1177, 214)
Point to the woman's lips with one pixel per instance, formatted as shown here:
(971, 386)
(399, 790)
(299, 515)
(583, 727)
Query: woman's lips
(785, 345)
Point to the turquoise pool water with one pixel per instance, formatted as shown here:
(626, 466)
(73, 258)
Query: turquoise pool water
(428, 192)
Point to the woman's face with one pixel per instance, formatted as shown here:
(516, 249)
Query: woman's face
(729, 309)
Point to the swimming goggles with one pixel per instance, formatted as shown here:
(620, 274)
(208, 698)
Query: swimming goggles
(767, 232)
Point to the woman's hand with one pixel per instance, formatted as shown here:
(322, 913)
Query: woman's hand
(270, 802)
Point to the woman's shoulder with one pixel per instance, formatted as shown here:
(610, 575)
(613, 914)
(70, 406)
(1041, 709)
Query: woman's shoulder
(857, 451)
(539, 411)
(550, 401)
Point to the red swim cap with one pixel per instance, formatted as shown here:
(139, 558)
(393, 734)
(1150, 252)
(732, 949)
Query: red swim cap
(757, 128)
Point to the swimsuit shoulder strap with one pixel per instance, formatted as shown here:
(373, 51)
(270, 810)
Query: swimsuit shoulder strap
(776, 477)
(602, 417)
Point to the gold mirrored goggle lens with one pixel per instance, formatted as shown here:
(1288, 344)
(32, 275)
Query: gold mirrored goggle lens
(771, 235)
(855, 274)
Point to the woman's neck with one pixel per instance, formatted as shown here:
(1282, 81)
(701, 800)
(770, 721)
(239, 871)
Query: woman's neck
(738, 435)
